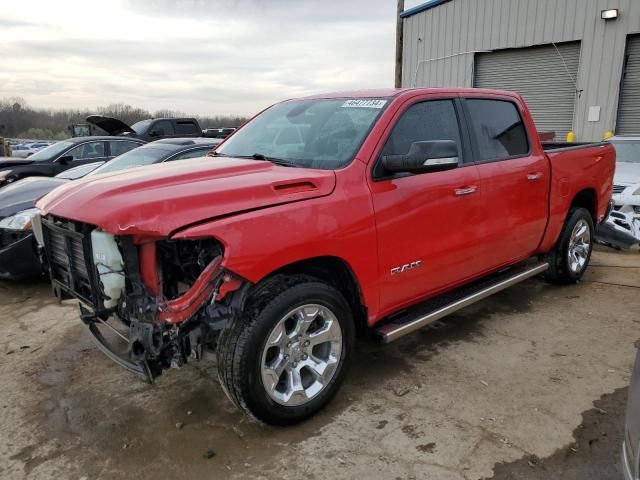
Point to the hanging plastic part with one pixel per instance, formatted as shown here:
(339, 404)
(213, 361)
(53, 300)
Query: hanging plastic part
(181, 308)
(229, 284)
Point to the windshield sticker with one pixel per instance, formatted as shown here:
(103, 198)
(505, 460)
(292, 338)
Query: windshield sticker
(360, 103)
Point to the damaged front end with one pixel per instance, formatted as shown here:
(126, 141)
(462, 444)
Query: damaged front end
(621, 228)
(150, 304)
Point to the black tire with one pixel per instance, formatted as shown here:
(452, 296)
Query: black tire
(241, 346)
(560, 271)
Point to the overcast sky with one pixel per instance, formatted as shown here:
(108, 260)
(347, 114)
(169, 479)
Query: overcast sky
(195, 56)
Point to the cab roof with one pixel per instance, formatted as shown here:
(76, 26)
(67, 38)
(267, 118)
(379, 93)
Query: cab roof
(398, 92)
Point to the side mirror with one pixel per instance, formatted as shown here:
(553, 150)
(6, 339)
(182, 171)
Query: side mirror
(65, 160)
(427, 156)
(156, 133)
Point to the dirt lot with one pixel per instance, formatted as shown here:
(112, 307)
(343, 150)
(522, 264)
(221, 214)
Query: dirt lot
(530, 384)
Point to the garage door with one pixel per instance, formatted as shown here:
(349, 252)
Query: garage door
(545, 79)
(629, 106)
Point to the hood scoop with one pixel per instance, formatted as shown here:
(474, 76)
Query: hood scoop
(295, 187)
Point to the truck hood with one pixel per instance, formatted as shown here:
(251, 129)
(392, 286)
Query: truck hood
(22, 194)
(112, 126)
(157, 200)
(627, 173)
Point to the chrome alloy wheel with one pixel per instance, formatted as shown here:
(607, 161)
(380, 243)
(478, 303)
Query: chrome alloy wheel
(301, 354)
(579, 246)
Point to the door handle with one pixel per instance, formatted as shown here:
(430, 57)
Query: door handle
(532, 177)
(466, 190)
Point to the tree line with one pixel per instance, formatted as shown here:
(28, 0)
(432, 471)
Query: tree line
(19, 120)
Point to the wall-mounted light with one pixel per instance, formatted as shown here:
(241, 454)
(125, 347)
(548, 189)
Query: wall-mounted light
(610, 14)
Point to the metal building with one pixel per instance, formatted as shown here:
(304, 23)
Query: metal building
(578, 70)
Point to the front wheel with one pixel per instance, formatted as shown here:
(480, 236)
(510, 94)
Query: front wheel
(285, 357)
(570, 257)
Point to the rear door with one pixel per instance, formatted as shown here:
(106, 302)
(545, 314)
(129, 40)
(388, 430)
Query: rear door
(428, 224)
(514, 180)
(118, 147)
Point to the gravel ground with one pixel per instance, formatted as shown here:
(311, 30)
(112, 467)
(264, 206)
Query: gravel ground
(529, 384)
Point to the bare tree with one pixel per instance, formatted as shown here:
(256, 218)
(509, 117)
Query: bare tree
(23, 121)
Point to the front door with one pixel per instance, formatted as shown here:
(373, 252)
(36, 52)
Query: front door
(427, 224)
(88, 152)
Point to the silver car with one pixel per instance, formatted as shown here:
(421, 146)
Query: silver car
(631, 445)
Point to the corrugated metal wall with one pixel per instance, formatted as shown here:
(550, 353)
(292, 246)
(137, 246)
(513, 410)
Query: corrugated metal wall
(435, 38)
(629, 110)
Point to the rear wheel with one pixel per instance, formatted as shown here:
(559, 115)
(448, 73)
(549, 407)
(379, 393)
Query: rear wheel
(284, 358)
(569, 259)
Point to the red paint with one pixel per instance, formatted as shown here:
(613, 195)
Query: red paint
(269, 216)
(149, 267)
(229, 284)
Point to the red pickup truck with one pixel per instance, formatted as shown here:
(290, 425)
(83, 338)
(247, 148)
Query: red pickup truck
(376, 211)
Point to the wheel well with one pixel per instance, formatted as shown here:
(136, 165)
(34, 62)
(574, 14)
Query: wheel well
(334, 271)
(586, 198)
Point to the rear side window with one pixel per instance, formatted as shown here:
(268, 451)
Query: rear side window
(118, 147)
(498, 128)
(184, 127)
(432, 120)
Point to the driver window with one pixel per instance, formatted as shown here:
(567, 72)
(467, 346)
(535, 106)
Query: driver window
(432, 120)
(87, 151)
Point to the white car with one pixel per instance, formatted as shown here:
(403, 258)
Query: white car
(22, 151)
(626, 182)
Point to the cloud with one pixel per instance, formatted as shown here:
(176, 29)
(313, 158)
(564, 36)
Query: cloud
(196, 56)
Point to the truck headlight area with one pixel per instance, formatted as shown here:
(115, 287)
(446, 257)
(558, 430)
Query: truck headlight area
(20, 221)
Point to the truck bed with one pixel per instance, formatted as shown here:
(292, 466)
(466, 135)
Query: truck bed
(577, 167)
(553, 146)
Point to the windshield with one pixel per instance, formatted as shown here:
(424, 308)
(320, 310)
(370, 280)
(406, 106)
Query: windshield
(321, 133)
(50, 152)
(627, 151)
(141, 126)
(133, 158)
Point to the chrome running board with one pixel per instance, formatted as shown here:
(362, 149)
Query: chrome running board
(416, 317)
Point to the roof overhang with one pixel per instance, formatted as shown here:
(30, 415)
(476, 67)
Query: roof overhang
(422, 7)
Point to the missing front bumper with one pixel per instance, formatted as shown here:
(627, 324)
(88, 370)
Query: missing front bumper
(139, 368)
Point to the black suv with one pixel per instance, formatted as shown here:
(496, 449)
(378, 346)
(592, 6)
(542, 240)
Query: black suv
(150, 129)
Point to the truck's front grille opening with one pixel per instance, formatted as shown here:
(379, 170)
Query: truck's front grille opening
(68, 253)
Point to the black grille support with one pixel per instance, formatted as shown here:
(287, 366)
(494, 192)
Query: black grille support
(70, 260)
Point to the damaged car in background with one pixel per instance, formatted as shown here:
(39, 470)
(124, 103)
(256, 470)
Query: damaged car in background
(622, 227)
(19, 259)
(378, 212)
